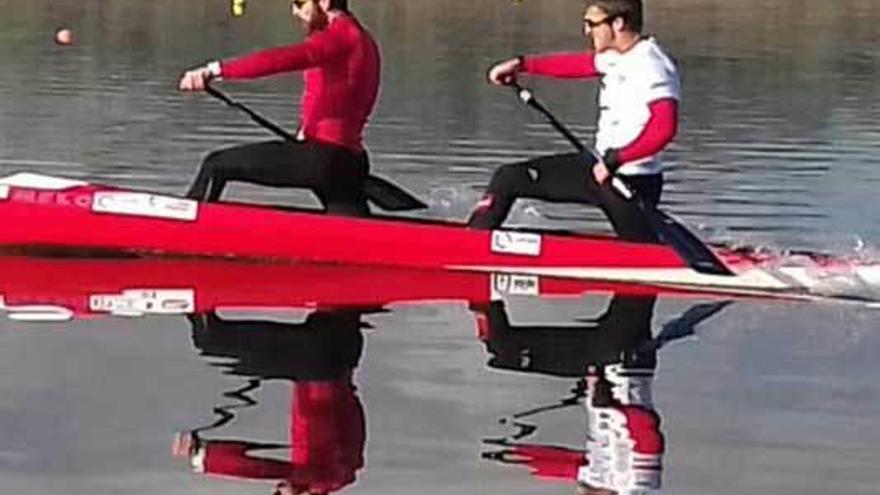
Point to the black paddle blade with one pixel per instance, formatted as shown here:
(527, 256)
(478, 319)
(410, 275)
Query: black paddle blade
(389, 196)
(685, 243)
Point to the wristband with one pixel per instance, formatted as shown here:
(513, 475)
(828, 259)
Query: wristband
(214, 69)
(197, 459)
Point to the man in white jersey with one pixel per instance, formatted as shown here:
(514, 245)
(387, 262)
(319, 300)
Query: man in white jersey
(638, 105)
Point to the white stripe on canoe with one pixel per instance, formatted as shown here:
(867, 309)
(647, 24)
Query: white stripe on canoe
(781, 279)
(751, 279)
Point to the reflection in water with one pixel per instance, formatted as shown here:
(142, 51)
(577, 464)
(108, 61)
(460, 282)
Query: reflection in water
(614, 358)
(65, 288)
(327, 425)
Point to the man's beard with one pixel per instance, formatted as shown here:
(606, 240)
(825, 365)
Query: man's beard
(317, 23)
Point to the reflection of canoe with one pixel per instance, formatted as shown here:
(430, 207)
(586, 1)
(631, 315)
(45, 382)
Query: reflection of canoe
(59, 213)
(61, 288)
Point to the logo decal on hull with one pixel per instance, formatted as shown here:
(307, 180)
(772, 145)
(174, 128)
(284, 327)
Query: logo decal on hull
(145, 205)
(136, 302)
(516, 243)
(504, 284)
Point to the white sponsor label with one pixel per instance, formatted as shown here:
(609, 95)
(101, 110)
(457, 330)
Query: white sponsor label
(145, 205)
(136, 302)
(4, 191)
(516, 243)
(39, 181)
(504, 284)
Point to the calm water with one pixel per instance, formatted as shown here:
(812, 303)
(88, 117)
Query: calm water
(778, 146)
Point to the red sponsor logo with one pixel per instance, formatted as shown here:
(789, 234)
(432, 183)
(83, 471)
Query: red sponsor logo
(57, 198)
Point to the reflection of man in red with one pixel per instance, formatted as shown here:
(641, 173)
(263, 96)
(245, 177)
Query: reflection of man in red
(615, 356)
(327, 426)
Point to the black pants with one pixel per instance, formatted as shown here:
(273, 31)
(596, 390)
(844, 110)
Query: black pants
(568, 178)
(334, 173)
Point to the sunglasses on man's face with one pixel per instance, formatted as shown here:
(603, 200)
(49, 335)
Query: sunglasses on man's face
(298, 3)
(594, 24)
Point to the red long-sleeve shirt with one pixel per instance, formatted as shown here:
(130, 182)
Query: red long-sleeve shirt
(326, 450)
(341, 70)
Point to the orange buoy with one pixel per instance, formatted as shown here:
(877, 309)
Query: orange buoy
(64, 36)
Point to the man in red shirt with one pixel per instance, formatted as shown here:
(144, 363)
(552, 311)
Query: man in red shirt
(341, 65)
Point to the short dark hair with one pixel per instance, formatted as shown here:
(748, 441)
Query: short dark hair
(628, 10)
(339, 5)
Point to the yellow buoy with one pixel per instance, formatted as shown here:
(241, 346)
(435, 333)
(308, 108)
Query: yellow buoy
(238, 7)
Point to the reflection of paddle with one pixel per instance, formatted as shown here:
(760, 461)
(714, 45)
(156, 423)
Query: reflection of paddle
(224, 413)
(683, 326)
(691, 249)
(385, 194)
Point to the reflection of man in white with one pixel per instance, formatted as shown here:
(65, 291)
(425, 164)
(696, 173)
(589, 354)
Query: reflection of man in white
(615, 357)
(624, 444)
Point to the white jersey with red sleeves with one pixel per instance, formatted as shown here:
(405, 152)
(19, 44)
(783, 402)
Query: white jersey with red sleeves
(630, 82)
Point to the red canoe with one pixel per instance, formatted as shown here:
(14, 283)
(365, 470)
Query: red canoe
(49, 212)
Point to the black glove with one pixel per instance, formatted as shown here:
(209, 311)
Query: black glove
(611, 159)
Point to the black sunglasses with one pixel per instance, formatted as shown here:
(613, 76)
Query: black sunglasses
(594, 24)
(298, 3)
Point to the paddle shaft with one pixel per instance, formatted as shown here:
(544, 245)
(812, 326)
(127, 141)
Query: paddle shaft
(256, 117)
(526, 96)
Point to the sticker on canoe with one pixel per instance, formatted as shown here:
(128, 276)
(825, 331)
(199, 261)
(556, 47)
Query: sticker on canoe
(516, 243)
(137, 302)
(504, 284)
(4, 191)
(40, 181)
(145, 205)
